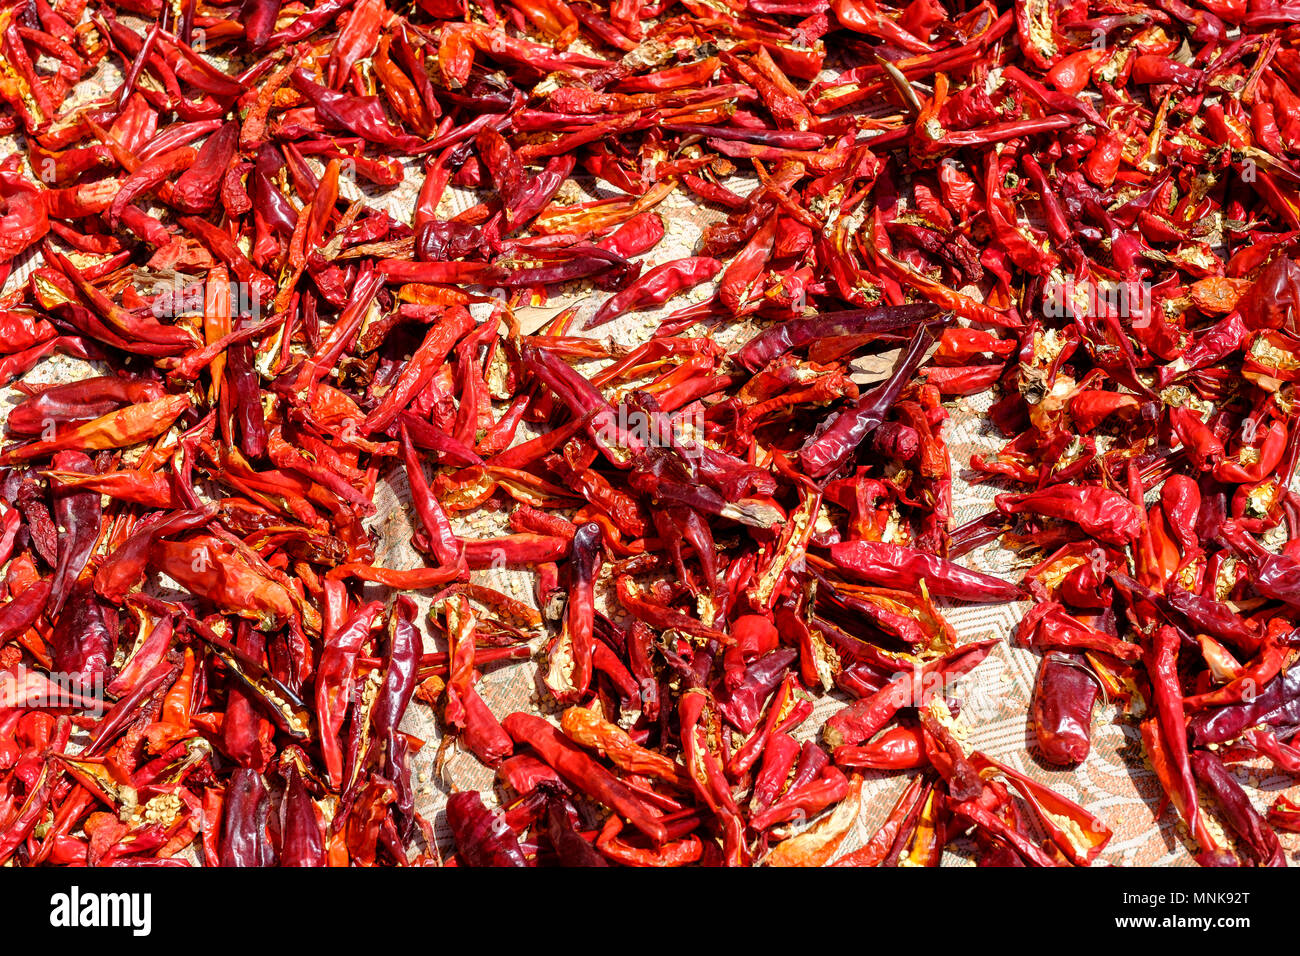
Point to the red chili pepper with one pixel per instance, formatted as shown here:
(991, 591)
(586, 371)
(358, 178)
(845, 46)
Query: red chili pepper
(584, 773)
(899, 748)
(912, 688)
(882, 563)
(1102, 514)
(1064, 695)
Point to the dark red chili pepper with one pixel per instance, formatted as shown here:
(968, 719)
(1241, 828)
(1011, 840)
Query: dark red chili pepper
(196, 189)
(570, 669)
(1064, 695)
(837, 441)
(1241, 816)
(245, 840)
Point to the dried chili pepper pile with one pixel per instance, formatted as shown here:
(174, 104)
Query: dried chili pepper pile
(1087, 210)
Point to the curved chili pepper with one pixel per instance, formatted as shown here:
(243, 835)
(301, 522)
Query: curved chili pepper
(1102, 514)
(657, 286)
(195, 191)
(841, 437)
(898, 748)
(881, 563)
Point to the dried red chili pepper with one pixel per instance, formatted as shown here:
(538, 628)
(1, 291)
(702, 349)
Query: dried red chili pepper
(1064, 695)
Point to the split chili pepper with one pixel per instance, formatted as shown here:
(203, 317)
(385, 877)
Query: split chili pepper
(570, 669)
